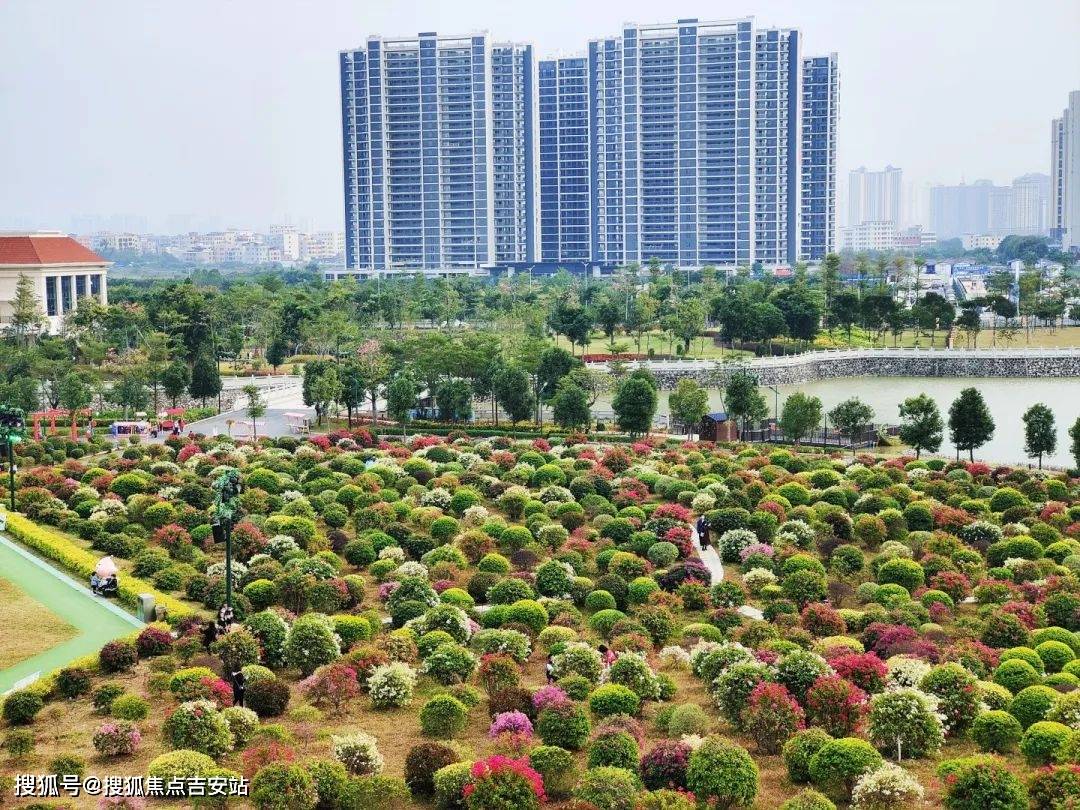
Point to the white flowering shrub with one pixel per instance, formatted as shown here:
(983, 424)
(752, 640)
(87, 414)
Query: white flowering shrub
(395, 553)
(734, 541)
(438, 497)
(391, 685)
(889, 787)
(757, 578)
(703, 502)
(674, 657)
(358, 752)
(906, 723)
(801, 532)
(474, 516)
(555, 494)
(410, 568)
(907, 672)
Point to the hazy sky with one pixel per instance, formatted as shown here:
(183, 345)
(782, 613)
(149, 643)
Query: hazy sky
(207, 113)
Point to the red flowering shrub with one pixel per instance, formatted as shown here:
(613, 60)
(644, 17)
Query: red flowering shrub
(888, 639)
(543, 445)
(499, 782)
(771, 716)
(153, 641)
(218, 691)
(186, 452)
(953, 583)
(664, 766)
(773, 508)
(865, 670)
(950, 518)
(331, 687)
(171, 536)
(247, 540)
(617, 459)
(1024, 611)
(257, 756)
(674, 511)
(836, 704)
(823, 620)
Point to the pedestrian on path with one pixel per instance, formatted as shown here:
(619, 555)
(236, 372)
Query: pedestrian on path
(238, 683)
(702, 527)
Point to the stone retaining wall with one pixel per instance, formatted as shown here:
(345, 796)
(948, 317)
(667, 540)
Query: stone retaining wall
(812, 368)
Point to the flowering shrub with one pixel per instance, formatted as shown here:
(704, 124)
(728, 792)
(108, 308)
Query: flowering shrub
(391, 685)
(198, 725)
(836, 705)
(358, 752)
(116, 739)
(905, 723)
(889, 786)
(771, 716)
(722, 772)
(331, 687)
(665, 765)
(500, 782)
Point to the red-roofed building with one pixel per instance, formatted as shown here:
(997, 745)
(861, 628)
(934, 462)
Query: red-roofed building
(63, 272)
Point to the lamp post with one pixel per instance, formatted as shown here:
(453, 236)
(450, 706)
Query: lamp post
(776, 408)
(12, 427)
(227, 488)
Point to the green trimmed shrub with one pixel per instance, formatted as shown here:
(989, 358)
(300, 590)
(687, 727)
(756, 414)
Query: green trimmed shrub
(723, 772)
(996, 731)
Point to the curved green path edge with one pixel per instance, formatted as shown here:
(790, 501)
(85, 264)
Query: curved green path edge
(97, 620)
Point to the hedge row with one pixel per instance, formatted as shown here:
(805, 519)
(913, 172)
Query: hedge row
(68, 555)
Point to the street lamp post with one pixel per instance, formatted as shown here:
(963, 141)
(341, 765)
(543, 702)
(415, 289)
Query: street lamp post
(12, 427)
(776, 407)
(227, 487)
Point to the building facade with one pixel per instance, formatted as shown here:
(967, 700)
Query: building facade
(1070, 172)
(62, 270)
(875, 196)
(693, 143)
(1059, 140)
(1031, 204)
(868, 237)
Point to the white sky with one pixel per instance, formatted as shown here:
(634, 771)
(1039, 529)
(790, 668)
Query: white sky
(208, 113)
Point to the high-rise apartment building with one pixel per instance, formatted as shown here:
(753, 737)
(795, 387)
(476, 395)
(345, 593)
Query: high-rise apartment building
(875, 196)
(693, 143)
(817, 161)
(1059, 140)
(1031, 204)
(1065, 172)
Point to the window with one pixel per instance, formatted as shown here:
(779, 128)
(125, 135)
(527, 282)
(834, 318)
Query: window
(80, 287)
(65, 293)
(95, 284)
(50, 296)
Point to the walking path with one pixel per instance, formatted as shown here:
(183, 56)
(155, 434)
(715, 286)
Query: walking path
(97, 620)
(712, 561)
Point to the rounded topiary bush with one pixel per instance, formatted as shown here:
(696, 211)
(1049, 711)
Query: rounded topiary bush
(422, 762)
(996, 731)
(722, 772)
(199, 726)
(21, 706)
(267, 697)
(838, 764)
(1032, 704)
(976, 783)
(565, 725)
(283, 786)
(607, 788)
(800, 749)
(808, 799)
(612, 698)
(443, 716)
(1042, 740)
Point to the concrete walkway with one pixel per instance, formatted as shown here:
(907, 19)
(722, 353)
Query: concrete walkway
(712, 561)
(98, 620)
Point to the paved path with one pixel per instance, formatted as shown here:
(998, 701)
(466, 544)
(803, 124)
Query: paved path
(287, 399)
(97, 620)
(712, 561)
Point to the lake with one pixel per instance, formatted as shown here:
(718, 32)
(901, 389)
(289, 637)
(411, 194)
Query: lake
(1007, 399)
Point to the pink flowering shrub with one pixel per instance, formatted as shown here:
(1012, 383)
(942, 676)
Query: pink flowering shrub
(547, 696)
(865, 670)
(836, 704)
(499, 782)
(116, 738)
(771, 716)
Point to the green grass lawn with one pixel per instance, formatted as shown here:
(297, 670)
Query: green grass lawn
(29, 627)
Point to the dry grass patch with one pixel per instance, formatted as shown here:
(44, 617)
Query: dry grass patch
(29, 627)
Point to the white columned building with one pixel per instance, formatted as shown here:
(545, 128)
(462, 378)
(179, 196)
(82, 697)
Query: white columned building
(63, 272)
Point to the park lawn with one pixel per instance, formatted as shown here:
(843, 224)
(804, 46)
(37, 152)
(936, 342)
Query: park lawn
(29, 627)
(702, 348)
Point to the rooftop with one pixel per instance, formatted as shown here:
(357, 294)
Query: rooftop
(21, 249)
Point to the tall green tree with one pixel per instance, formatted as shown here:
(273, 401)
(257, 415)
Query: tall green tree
(635, 404)
(325, 389)
(129, 391)
(921, 424)
(1074, 434)
(454, 398)
(401, 398)
(570, 405)
(511, 387)
(970, 422)
(205, 376)
(75, 390)
(256, 405)
(27, 319)
(689, 403)
(1040, 432)
(742, 399)
(849, 416)
(801, 414)
(175, 378)
(277, 351)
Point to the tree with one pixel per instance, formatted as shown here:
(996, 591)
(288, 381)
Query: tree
(689, 321)
(970, 422)
(742, 398)
(844, 312)
(511, 388)
(1040, 433)
(322, 386)
(801, 414)
(205, 376)
(635, 404)
(373, 366)
(609, 314)
(277, 351)
(1074, 434)
(256, 406)
(401, 398)
(830, 277)
(849, 416)
(27, 319)
(570, 405)
(454, 398)
(175, 378)
(689, 403)
(129, 391)
(554, 364)
(352, 387)
(922, 426)
(75, 391)
(801, 312)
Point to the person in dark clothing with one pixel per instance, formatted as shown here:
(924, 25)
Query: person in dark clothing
(209, 634)
(702, 527)
(109, 586)
(224, 620)
(238, 683)
(549, 669)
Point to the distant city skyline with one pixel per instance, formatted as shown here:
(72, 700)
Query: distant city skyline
(168, 118)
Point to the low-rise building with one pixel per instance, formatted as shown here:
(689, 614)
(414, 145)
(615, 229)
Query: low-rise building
(62, 270)
(868, 236)
(981, 241)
